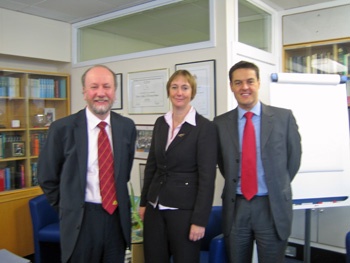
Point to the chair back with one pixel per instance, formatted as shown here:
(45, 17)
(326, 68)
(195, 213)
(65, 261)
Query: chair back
(42, 212)
(347, 245)
(45, 223)
(213, 228)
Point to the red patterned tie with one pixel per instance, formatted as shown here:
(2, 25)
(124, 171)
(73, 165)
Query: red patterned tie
(249, 181)
(106, 170)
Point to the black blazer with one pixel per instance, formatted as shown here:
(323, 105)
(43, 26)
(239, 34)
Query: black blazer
(183, 176)
(62, 168)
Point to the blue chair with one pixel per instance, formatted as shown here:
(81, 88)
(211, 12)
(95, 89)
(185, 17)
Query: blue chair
(46, 231)
(212, 246)
(347, 245)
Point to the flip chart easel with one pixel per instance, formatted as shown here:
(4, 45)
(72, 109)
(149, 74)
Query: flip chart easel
(319, 104)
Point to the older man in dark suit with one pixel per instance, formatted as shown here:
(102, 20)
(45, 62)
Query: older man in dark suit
(258, 207)
(69, 171)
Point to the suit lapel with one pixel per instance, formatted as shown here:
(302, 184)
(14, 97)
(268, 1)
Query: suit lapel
(266, 124)
(81, 139)
(232, 130)
(183, 134)
(163, 135)
(117, 133)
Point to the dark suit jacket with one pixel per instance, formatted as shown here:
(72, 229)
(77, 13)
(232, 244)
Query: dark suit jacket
(182, 176)
(280, 154)
(62, 169)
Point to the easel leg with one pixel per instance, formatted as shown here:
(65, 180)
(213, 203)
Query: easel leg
(307, 236)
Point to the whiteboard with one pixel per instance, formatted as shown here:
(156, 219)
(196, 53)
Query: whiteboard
(319, 104)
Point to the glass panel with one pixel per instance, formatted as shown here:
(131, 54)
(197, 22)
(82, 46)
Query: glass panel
(161, 27)
(254, 26)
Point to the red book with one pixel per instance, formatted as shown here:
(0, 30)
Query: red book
(23, 181)
(2, 180)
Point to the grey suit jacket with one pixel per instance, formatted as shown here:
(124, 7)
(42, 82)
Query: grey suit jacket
(280, 154)
(62, 168)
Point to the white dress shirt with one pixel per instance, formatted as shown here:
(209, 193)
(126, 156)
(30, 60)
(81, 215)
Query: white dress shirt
(92, 191)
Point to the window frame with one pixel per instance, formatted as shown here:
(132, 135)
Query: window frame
(136, 9)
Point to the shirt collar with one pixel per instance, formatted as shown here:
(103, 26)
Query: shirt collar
(256, 110)
(93, 121)
(190, 117)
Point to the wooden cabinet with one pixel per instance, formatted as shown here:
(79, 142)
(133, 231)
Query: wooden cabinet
(29, 102)
(323, 57)
(137, 253)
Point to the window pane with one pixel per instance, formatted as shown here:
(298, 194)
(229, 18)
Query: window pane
(254, 27)
(165, 26)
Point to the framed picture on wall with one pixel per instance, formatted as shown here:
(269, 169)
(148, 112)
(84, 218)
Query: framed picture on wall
(205, 99)
(147, 92)
(143, 141)
(118, 103)
(142, 167)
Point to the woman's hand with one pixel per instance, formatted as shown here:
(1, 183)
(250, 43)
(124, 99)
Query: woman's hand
(142, 210)
(196, 232)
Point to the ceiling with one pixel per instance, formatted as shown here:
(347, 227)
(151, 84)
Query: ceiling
(72, 11)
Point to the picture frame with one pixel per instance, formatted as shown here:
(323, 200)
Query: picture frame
(50, 114)
(147, 92)
(143, 141)
(205, 74)
(142, 167)
(118, 103)
(14, 149)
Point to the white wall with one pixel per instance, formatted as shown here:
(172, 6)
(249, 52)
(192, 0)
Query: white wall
(166, 61)
(34, 37)
(317, 25)
(226, 53)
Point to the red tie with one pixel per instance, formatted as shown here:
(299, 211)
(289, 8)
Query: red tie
(249, 182)
(106, 171)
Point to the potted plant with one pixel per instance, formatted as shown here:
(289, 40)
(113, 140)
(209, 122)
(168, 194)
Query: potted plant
(136, 222)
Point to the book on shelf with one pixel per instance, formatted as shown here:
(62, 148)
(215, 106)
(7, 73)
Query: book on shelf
(34, 170)
(2, 180)
(47, 88)
(9, 144)
(9, 179)
(9, 86)
(12, 177)
(37, 142)
(20, 177)
(320, 63)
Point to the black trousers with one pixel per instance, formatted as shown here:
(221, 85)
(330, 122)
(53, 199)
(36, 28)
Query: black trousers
(100, 239)
(166, 235)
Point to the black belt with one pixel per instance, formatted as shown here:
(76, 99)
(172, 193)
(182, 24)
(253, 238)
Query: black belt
(93, 206)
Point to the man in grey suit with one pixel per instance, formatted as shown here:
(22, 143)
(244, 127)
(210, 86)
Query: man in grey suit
(68, 173)
(267, 216)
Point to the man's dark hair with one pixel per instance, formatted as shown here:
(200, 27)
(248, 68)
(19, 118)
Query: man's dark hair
(244, 64)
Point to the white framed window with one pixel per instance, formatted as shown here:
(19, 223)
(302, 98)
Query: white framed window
(254, 26)
(157, 27)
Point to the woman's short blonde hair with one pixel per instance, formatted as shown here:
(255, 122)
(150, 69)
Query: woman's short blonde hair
(188, 76)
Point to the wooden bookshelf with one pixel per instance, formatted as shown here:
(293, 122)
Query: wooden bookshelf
(29, 102)
(322, 57)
